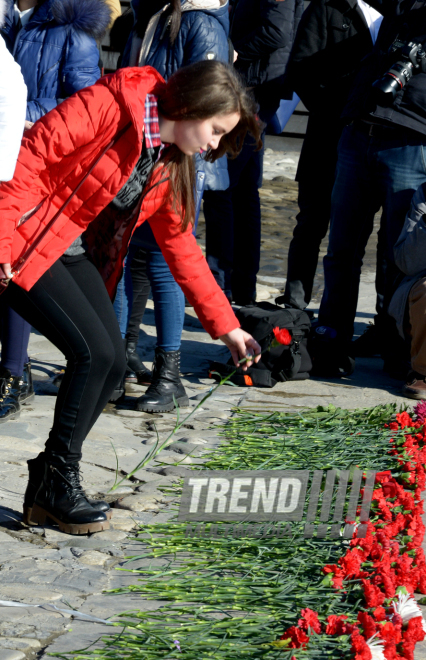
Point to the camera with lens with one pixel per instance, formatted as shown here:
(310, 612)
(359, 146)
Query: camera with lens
(412, 60)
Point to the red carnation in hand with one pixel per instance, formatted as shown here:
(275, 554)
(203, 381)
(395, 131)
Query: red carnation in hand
(310, 620)
(282, 336)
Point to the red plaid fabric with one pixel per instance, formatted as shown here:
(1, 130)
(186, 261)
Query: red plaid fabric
(152, 127)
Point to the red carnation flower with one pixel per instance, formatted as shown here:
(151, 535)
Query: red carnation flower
(368, 624)
(360, 646)
(379, 614)
(336, 625)
(282, 336)
(299, 639)
(310, 620)
(373, 596)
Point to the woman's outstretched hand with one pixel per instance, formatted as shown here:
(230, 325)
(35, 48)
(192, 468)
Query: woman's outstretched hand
(241, 345)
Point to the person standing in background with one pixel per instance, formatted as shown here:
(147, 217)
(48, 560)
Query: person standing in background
(262, 33)
(330, 43)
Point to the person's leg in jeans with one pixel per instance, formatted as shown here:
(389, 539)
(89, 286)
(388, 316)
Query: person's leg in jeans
(169, 308)
(129, 305)
(415, 386)
(141, 291)
(169, 302)
(15, 336)
(401, 169)
(123, 300)
(355, 200)
(315, 188)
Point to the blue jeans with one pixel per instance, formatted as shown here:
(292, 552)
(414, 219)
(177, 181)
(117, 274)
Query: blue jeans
(169, 301)
(372, 172)
(14, 335)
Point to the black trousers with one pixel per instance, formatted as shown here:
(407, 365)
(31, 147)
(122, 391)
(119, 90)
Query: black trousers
(315, 174)
(70, 306)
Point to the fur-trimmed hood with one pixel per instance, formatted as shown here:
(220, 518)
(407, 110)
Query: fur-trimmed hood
(2, 11)
(90, 16)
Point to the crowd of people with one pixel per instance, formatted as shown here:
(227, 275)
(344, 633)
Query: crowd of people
(102, 179)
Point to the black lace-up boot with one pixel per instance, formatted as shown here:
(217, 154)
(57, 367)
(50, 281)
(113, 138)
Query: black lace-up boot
(165, 384)
(36, 467)
(61, 499)
(9, 396)
(136, 370)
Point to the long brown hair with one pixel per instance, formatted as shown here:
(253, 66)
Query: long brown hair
(196, 92)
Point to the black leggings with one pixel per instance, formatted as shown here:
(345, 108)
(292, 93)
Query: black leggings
(70, 306)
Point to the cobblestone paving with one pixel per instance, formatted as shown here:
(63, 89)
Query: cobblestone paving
(43, 566)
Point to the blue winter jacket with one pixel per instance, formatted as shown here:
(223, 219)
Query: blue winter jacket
(203, 35)
(57, 49)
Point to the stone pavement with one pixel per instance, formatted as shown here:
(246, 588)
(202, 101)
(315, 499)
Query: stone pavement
(42, 565)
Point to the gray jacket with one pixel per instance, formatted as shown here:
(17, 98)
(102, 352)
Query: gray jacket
(410, 255)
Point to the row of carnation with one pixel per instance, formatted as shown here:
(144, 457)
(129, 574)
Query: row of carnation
(389, 562)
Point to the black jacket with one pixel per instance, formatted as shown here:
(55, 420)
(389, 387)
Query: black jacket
(405, 19)
(332, 39)
(262, 32)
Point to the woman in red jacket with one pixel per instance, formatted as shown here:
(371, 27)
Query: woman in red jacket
(105, 160)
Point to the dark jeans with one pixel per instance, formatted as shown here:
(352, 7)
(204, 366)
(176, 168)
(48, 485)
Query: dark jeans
(372, 172)
(315, 174)
(14, 336)
(141, 290)
(233, 221)
(70, 306)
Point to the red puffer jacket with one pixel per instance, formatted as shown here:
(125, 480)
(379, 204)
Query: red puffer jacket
(55, 155)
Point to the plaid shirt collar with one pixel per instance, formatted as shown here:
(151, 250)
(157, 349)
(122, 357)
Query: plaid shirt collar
(152, 126)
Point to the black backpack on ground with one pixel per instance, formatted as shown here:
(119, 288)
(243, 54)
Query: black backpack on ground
(280, 363)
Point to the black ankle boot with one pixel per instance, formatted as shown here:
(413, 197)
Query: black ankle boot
(26, 388)
(61, 499)
(136, 370)
(9, 396)
(165, 384)
(36, 468)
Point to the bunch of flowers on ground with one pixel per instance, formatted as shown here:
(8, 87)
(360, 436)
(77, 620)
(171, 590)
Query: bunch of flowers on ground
(387, 566)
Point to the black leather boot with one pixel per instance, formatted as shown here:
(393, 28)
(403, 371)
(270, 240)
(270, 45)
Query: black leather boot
(36, 468)
(136, 370)
(165, 384)
(61, 499)
(9, 396)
